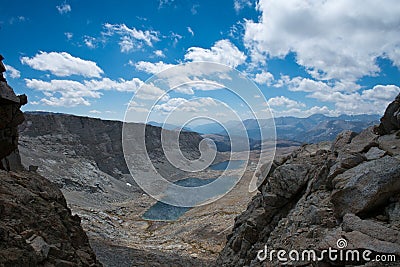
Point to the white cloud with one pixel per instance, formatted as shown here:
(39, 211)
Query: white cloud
(223, 51)
(148, 91)
(303, 113)
(13, 72)
(345, 96)
(131, 38)
(69, 35)
(184, 105)
(186, 78)
(150, 67)
(90, 41)
(63, 64)
(301, 84)
(381, 93)
(190, 31)
(264, 77)
(63, 93)
(95, 111)
(126, 44)
(240, 4)
(332, 39)
(138, 107)
(120, 86)
(170, 105)
(197, 84)
(159, 53)
(69, 93)
(282, 101)
(371, 101)
(64, 8)
(175, 38)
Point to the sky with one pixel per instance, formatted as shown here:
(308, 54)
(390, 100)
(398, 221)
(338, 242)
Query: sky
(91, 58)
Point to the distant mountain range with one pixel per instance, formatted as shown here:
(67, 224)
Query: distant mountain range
(312, 129)
(167, 126)
(289, 130)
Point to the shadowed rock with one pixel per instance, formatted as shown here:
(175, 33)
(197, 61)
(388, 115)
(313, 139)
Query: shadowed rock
(10, 117)
(391, 119)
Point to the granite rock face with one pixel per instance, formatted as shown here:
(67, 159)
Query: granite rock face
(10, 117)
(36, 226)
(391, 119)
(349, 189)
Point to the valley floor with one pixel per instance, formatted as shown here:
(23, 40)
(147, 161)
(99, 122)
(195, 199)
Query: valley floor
(111, 210)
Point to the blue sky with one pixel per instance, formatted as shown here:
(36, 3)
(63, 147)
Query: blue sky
(90, 57)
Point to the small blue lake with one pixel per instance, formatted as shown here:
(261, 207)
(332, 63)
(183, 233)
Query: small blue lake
(165, 212)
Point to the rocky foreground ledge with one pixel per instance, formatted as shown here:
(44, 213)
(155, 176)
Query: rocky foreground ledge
(36, 226)
(348, 190)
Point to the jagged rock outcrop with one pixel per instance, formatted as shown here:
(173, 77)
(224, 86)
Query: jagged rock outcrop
(10, 117)
(36, 226)
(321, 193)
(391, 119)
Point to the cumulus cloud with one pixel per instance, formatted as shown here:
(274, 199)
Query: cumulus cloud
(150, 67)
(264, 77)
(347, 97)
(223, 51)
(331, 39)
(148, 91)
(381, 92)
(63, 93)
(69, 93)
(63, 64)
(370, 101)
(282, 101)
(64, 8)
(303, 113)
(13, 72)
(184, 105)
(126, 44)
(131, 38)
(121, 85)
(159, 53)
(137, 107)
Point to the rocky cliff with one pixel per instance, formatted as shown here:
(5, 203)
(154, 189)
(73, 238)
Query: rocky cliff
(10, 117)
(51, 141)
(348, 190)
(36, 226)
